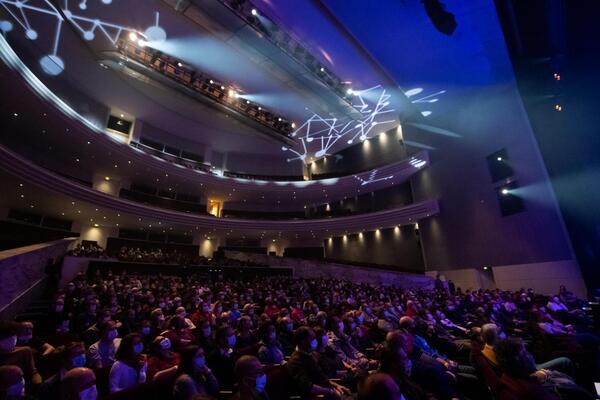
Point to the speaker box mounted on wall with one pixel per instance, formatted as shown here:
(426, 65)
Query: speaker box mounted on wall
(509, 199)
(499, 165)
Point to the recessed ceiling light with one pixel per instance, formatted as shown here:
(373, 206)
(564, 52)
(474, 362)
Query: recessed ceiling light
(254, 12)
(107, 178)
(16, 114)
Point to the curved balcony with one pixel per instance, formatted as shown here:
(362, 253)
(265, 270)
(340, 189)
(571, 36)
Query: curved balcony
(27, 171)
(35, 95)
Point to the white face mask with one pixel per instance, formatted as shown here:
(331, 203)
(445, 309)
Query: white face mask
(16, 390)
(165, 344)
(89, 394)
(8, 344)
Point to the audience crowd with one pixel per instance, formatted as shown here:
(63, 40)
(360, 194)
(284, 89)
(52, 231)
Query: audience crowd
(134, 336)
(92, 250)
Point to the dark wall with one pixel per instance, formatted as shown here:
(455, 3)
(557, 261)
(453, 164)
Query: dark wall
(397, 247)
(16, 234)
(362, 156)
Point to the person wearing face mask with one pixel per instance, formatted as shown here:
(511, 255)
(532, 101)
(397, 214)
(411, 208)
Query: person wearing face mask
(102, 353)
(87, 318)
(251, 379)
(329, 360)
(342, 344)
(130, 366)
(179, 335)
(204, 336)
(270, 351)
(396, 363)
(12, 383)
(245, 340)
(222, 359)
(193, 376)
(79, 384)
(22, 357)
(161, 356)
(304, 369)
(71, 356)
(285, 334)
(25, 337)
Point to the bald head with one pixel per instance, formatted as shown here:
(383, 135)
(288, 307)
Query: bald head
(379, 386)
(489, 334)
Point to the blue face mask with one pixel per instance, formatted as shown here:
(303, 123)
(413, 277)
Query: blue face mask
(200, 362)
(261, 382)
(231, 341)
(78, 361)
(146, 330)
(313, 344)
(138, 348)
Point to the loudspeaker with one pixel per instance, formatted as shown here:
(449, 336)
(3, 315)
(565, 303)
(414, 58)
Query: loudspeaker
(443, 20)
(499, 165)
(509, 200)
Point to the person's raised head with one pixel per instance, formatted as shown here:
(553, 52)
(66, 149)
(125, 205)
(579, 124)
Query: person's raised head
(250, 374)
(379, 386)
(79, 384)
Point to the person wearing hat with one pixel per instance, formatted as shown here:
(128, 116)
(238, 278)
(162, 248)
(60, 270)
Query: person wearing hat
(102, 353)
(22, 357)
(79, 384)
(12, 382)
(71, 356)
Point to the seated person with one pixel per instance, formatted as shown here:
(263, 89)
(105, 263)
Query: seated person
(518, 380)
(71, 356)
(12, 382)
(193, 376)
(21, 357)
(130, 366)
(251, 379)
(342, 344)
(222, 359)
(161, 356)
(102, 353)
(305, 371)
(245, 338)
(270, 351)
(79, 384)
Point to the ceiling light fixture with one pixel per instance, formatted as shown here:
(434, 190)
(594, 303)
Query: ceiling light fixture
(254, 12)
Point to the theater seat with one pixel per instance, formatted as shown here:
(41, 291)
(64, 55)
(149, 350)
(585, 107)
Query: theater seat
(145, 391)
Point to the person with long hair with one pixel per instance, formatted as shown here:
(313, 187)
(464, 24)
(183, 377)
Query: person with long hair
(193, 376)
(130, 368)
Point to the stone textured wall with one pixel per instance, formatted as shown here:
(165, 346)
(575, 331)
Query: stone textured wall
(315, 268)
(22, 268)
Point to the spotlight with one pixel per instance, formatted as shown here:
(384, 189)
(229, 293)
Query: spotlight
(504, 191)
(232, 93)
(211, 81)
(107, 178)
(350, 91)
(499, 158)
(259, 108)
(247, 101)
(222, 87)
(279, 119)
(133, 36)
(254, 12)
(557, 107)
(293, 125)
(322, 69)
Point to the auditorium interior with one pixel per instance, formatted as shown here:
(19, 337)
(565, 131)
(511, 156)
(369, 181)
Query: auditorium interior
(299, 199)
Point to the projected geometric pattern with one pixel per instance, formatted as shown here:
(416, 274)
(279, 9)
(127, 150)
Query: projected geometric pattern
(52, 63)
(430, 98)
(372, 178)
(317, 135)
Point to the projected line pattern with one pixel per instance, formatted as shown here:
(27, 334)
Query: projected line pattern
(428, 99)
(372, 178)
(317, 135)
(52, 63)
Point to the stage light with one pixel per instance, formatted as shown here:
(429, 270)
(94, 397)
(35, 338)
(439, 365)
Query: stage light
(556, 76)
(142, 43)
(211, 81)
(96, 225)
(222, 87)
(486, 268)
(259, 108)
(107, 178)
(558, 107)
(293, 125)
(254, 12)
(279, 119)
(231, 93)
(247, 101)
(179, 64)
(504, 191)
(322, 69)
(350, 91)
(499, 158)
(133, 36)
